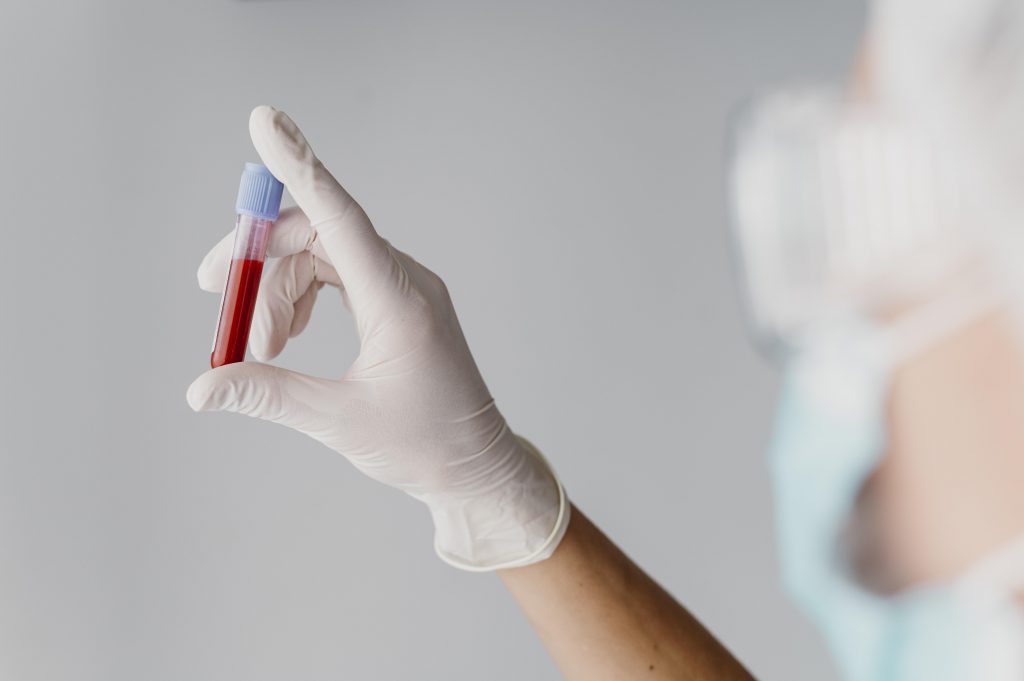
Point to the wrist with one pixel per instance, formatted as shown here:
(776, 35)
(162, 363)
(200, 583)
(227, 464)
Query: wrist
(515, 518)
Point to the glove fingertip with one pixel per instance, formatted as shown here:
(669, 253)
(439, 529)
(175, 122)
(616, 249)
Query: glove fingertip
(207, 282)
(200, 393)
(260, 120)
(271, 320)
(267, 349)
(278, 141)
(240, 387)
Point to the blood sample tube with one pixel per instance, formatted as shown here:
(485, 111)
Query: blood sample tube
(259, 201)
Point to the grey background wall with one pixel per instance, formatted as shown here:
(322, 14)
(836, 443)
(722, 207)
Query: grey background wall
(559, 163)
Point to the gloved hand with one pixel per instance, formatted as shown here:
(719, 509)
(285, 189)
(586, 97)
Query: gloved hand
(412, 411)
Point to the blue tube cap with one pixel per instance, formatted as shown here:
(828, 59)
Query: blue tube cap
(259, 193)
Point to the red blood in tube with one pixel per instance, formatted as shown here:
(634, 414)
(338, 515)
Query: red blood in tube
(236, 312)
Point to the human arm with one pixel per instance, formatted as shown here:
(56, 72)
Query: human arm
(601, 617)
(413, 413)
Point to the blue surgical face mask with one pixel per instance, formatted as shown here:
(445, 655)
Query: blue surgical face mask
(829, 437)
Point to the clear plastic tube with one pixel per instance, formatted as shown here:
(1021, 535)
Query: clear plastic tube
(239, 301)
(257, 207)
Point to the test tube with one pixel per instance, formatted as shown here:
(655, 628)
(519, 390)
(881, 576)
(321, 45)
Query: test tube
(258, 205)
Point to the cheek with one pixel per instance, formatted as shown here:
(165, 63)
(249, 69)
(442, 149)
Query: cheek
(948, 489)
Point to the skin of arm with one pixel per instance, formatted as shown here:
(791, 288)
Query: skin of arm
(602, 618)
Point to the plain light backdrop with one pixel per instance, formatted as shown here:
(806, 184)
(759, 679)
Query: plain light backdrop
(559, 163)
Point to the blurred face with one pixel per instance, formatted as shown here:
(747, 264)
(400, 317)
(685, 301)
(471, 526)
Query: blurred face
(867, 202)
(949, 488)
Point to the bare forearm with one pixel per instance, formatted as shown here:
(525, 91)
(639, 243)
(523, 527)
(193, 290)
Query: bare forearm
(601, 617)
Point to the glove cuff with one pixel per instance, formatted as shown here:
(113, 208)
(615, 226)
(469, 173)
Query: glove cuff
(520, 522)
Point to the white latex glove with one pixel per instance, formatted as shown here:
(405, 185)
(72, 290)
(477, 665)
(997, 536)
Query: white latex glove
(412, 411)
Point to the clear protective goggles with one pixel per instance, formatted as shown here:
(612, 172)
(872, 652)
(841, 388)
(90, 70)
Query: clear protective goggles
(839, 208)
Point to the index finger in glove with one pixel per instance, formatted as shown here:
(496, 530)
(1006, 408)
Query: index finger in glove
(361, 257)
